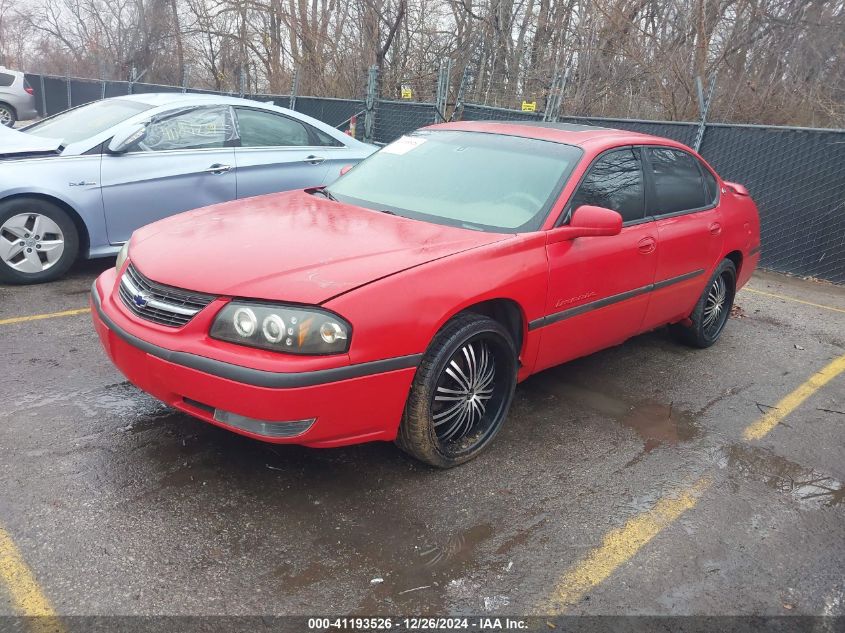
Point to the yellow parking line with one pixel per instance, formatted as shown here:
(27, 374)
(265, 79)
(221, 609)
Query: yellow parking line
(792, 401)
(50, 315)
(26, 595)
(793, 299)
(620, 545)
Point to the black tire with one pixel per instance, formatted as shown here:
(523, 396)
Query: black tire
(8, 116)
(70, 235)
(703, 332)
(487, 340)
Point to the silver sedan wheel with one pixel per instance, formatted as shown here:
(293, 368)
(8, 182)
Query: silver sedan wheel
(31, 242)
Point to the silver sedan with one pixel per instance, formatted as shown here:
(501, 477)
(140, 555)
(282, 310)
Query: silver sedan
(80, 182)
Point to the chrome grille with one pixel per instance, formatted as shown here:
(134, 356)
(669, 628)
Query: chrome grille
(158, 303)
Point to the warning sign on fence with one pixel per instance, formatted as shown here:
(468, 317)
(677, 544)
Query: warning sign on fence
(407, 93)
(529, 106)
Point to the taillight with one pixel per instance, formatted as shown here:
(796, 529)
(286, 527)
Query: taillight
(29, 90)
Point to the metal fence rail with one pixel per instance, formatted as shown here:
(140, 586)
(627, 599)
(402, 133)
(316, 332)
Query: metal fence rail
(796, 175)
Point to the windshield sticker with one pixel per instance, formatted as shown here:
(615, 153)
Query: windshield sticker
(404, 145)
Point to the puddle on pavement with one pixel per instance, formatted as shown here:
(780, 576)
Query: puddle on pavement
(778, 473)
(656, 423)
(422, 580)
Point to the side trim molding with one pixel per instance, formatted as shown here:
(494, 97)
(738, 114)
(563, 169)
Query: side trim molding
(601, 303)
(754, 250)
(256, 377)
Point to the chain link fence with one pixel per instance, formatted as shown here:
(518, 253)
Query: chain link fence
(796, 175)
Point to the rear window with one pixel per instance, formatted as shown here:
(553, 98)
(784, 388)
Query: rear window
(6, 80)
(677, 181)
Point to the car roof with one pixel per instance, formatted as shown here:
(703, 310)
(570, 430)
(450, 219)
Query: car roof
(586, 136)
(167, 98)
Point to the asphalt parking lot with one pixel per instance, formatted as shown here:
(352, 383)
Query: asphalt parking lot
(645, 479)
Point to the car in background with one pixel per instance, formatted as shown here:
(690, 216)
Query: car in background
(17, 101)
(405, 301)
(80, 182)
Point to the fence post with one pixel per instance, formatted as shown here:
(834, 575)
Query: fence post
(458, 112)
(370, 105)
(555, 100)
(242, 84)
(294, 88)
(441, 98)
(69, 90)
(703, 108)
(102, 65)
(43, 97)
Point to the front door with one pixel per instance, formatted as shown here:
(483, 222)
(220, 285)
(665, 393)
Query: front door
(599, 286)
(184, 162)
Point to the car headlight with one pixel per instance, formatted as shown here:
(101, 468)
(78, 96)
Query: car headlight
(282, 328)
(121, 256)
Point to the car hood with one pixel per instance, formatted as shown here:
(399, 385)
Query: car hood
(17, 144)
(292, 247)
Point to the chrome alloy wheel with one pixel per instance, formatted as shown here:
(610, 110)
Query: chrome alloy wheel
(6, 117)
(31, 242)
(715, 307)
(472, 394)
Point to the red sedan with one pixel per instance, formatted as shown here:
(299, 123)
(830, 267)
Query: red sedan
(405, 301)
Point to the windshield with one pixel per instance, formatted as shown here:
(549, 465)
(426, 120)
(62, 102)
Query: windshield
(84, 122)
(488, 182)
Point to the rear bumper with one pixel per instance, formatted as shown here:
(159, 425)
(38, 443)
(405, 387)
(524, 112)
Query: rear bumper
(347, 406)
(27, 114)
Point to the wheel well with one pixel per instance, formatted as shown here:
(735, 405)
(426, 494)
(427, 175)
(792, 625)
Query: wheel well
(736, 258)
(11, 107)
(505, 311)
(84, 240)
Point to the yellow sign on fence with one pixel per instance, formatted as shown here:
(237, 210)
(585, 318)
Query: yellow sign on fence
(529, 106)
(406, 93)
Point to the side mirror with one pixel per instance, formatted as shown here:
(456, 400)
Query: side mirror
(126, 137)
(587, 221)
(345, 169)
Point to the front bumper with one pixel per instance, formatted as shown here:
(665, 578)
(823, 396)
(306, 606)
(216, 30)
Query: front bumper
(348, 405)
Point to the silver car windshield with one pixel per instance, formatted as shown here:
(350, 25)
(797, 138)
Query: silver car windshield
(488, 182)
(87, 121)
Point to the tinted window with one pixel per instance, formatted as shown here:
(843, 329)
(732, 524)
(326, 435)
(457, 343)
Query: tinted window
(324, 139)
(487, 182)
(615, 182)
(196, 128)
(88, 120)
(264, 129)
(6, 80)
(677, 181)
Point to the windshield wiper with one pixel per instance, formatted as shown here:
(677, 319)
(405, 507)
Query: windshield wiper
(325, 193)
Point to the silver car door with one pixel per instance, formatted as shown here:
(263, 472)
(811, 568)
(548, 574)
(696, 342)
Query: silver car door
(185, 161)
(276, 153)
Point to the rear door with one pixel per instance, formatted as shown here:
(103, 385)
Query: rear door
(683, 197)
(598, 286)
(185, 161)
(279, 153)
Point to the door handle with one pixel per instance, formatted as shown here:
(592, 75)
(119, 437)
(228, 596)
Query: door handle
(217, 168)
(315, 160)
(715, 228)
(647, 245)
